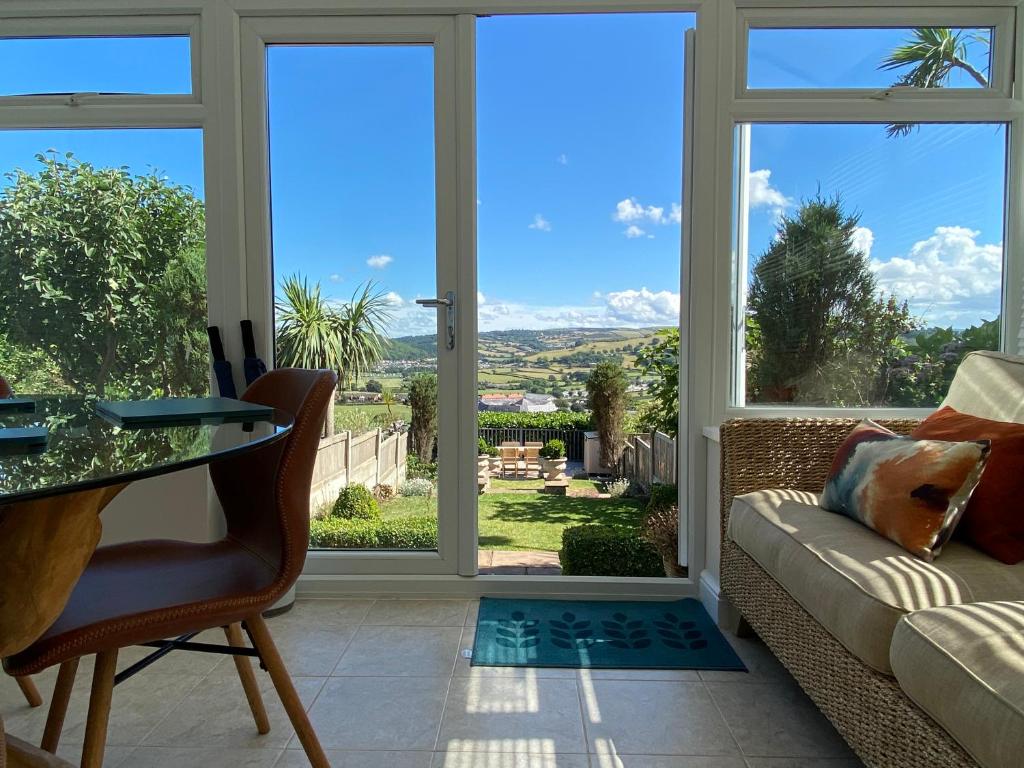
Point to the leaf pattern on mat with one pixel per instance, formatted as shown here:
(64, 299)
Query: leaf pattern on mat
(678, 633)
(570, 633)
(518, 632)
(623, 633)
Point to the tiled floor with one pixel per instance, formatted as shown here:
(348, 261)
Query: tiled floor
(386, 687)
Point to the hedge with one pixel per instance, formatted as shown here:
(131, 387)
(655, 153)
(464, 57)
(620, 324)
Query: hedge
(396, 533)
(355, 502)
(554, 420)
(597, 550)
(663, 496)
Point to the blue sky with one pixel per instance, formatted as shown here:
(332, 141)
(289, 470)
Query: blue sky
(579, 156)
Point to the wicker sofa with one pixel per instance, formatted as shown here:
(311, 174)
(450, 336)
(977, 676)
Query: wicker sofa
(857, 621)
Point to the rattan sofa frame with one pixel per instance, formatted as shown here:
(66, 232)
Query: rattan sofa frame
(869, 709)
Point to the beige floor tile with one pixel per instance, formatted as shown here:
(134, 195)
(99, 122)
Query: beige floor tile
(138, 705)
(308, 652)
(803, 762)
(416, 651)
(506, 760)
(654, 675)
(418, 613)
(776, 721)
(523, 714)
(663, 718)
(113, 757)
(463, 667)
(474, 611)
(176, 662)
(190, 757)
(371, 713)
(762, 666)
(20, 719)
(296, 758)
(326, 614)
(216, 714)
(664, 761)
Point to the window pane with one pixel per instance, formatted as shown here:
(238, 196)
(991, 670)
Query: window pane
(872, 262)
(353, 214)
(103, 263)
(926, 57)
(153, 64)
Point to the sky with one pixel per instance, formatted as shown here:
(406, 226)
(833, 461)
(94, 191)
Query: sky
(579, 165)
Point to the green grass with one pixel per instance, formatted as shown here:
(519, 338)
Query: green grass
(515, 521)
(360, 418)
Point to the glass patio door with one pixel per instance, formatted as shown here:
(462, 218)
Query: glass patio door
(351, 139)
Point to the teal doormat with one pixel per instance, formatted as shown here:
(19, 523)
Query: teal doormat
(600, 634)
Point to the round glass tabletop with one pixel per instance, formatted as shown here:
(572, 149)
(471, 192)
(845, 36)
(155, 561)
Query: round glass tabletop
(84, 450)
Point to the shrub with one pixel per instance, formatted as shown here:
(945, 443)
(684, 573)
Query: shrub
(383, 492)
(481, 449)
(420, 469)
(618, 487)
(553, 420)
(663, 496)
(356, 503)
(398, 533)
(553, 449)
(423, 401)
(597, 550)
(661, 529)
(607, 397)
(418, 486)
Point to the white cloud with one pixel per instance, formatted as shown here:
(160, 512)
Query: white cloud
(393, 299)
(540, 223)
(676, 214)
(634, 231)
(863, 240)
(948, 278)
(764, 195)
(563, 159)
(379, 261)
(632, 210)
(642, 307)
(336, 278)
(480, 298)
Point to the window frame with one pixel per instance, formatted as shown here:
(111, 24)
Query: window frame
(860, 105)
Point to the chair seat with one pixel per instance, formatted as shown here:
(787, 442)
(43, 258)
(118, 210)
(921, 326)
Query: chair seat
(964, 666)
(855, 583)
(151, 590)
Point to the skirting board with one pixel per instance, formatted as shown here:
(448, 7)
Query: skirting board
(576, 587)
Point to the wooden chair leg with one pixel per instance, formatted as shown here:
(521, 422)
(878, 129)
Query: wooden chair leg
(248, 678)
(289, 697)
(59, 705)
(99, 709)
(28, 687)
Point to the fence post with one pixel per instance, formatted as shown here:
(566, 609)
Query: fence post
(348, 456)
(376, 457)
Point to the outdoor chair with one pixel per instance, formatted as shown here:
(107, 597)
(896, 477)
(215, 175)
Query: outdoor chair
(141, 593)
(509, 455)
(532, 459)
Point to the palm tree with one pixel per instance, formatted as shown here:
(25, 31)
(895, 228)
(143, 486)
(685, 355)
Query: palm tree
(313, 332)
(933, 54)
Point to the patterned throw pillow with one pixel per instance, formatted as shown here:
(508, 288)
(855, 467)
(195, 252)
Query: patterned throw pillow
(913, 492)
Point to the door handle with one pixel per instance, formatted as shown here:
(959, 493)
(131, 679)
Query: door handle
(448, 302)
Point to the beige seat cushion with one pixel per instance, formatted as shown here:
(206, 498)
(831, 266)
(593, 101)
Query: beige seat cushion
(989, 385)
(855, 583)
(964, 666)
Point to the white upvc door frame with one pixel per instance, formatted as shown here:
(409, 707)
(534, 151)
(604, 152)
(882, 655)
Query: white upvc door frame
(455, 249)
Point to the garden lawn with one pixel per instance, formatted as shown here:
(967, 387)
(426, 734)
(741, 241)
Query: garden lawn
(516, 521)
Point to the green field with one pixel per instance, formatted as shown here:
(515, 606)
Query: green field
(358, 418)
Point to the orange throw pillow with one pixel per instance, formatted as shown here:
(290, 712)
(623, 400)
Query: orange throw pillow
(994, 519)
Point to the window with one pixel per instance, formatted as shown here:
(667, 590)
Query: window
(103, 262)
(154, 64)
(872, 260)
(870, 58)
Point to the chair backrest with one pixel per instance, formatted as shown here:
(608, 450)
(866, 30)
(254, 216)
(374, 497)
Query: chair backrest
(530, 444)
(5, 389)
(265, 493)
(989, 385)
(509, 453)
(509, 443)
(532, 452)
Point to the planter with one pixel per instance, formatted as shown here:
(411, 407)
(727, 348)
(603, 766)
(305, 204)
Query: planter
(554, 469)
(483, 472)
(495, 465)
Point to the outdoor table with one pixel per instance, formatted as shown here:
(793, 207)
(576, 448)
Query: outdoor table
(50, 500)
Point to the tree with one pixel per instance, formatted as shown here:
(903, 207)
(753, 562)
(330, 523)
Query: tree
(661, 360)
(374, 386)
(817, 330)
(932, 54)
(606, 396)
(423, 401)
(314, 333)
(103, 272)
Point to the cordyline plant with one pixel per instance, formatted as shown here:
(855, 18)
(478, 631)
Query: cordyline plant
(607, 399)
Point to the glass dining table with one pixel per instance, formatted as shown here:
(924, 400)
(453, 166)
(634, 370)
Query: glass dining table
(51, 495)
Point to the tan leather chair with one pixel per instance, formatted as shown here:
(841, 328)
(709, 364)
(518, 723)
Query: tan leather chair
(5, 389)
(143, 592)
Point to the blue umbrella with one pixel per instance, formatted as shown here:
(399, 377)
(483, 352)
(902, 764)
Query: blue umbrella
(221, 366)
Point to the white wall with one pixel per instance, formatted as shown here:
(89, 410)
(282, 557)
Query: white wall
(171, 506)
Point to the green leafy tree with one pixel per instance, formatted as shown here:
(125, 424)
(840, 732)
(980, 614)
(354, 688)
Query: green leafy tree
(817, 329)
(103, 272)
(607, 398)
(374, 386)
(661, 360)
(928, 59)
(423, 401)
